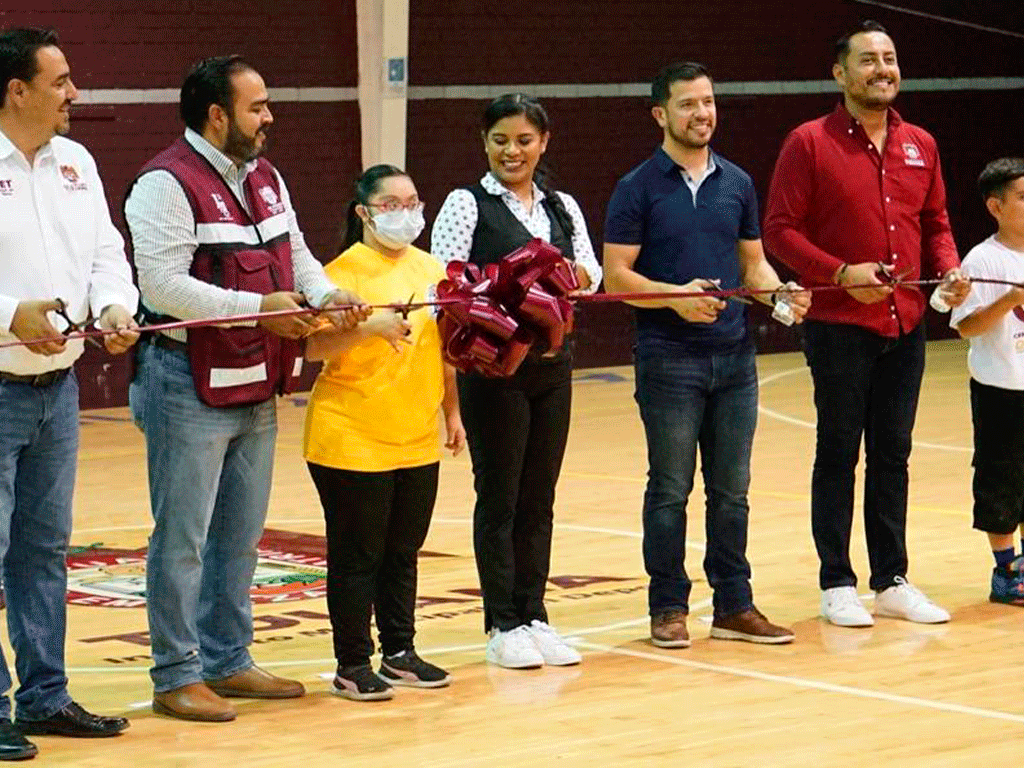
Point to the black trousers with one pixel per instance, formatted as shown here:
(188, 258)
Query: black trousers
(517, 430)
(864, 385)
(376, 524)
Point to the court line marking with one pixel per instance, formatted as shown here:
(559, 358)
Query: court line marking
(812, 425)
(450, 649)
(818, 685)
(694, 607)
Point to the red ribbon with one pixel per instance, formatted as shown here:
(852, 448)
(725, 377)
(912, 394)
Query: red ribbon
(490, 320)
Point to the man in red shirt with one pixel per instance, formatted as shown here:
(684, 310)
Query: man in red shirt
(857, 196)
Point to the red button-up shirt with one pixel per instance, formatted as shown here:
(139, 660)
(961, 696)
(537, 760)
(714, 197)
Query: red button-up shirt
(833, 200)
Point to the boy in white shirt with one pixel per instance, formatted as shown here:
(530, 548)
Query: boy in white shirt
(992, 318)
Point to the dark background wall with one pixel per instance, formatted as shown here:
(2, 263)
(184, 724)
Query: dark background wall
(113, 44)
(596, 140)
(118, 44)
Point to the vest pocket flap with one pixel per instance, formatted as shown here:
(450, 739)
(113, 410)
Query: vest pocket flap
(257, 272)
(253, 261)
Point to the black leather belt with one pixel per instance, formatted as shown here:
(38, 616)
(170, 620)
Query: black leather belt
(166, 342)
(35, 379)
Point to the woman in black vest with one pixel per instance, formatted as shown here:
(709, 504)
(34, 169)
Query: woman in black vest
(516, 427)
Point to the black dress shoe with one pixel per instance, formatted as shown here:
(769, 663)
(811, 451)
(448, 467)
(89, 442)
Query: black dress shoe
(14, 746)
(73, 721)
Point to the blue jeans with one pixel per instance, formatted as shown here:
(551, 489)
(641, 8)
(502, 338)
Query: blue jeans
(688, 401)
(209, 485)
(38, 457)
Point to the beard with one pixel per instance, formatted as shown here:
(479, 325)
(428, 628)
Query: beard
(237, 144)
(873, 103)
(63, 128)
(685, 141)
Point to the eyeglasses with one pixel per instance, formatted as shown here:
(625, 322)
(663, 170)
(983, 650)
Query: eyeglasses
(74, 327)
(390, 206)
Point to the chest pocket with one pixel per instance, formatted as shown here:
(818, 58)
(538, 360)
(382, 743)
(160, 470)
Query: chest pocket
(909, 184)
(76, 215)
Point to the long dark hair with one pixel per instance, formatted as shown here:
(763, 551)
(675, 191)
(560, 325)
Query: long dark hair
(366, 187)
(510, 105)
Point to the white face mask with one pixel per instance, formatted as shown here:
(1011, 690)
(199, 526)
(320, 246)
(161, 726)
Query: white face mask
(397, 229)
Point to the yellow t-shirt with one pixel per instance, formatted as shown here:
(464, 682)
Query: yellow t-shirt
(373, 409)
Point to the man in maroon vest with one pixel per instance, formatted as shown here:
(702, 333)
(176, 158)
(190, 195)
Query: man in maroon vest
(215, 235)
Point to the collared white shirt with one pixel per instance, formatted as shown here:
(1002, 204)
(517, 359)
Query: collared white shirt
(451, 237)
(695, 185)
(56, 241)
(163, 230)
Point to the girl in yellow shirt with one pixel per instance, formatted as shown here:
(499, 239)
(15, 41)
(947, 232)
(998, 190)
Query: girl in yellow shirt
(372, 439)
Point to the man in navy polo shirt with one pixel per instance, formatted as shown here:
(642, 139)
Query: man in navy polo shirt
(686, 220)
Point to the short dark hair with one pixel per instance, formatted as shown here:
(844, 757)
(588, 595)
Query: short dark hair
(661, 86)
(998, 175)
(18, 54)
(208, 83)
(843, 43)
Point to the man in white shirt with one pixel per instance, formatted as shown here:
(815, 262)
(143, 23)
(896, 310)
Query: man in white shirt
(215, 235)
(59, 254)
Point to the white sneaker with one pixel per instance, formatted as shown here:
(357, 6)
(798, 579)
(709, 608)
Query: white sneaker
(905, 601)
(513, 649)
(552, 647)
(842, 607)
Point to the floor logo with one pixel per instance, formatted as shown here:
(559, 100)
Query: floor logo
(290, 566)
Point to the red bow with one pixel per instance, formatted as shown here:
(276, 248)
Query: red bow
(502, 312)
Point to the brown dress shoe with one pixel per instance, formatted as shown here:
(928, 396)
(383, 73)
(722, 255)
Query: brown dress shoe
(752, 626)
(668, 629)
(254, 683)
(193, 702)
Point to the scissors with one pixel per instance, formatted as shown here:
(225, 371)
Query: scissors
(74, 327)
(406, 309)
(889, 278)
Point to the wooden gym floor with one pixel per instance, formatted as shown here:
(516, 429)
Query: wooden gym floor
(900, 693)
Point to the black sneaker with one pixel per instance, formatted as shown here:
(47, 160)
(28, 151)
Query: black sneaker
(407, 668)
(361, 684)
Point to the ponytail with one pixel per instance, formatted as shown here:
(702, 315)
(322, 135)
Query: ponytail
(554, 201)
(353, 232)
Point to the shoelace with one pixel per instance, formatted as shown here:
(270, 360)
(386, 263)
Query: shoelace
(543, 627)
(520, 637)
(847, 598)
(916, 594)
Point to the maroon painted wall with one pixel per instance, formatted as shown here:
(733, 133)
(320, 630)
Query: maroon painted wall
(152, 44)
(121, 44)
(596, 140)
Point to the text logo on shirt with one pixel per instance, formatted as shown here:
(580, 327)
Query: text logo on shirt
(269, 196)
(72, 182)
(912, 155)
(225, 214)
(6, 187)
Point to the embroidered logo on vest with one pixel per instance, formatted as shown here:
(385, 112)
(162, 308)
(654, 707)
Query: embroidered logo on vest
(274, 205)
(225, 214)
